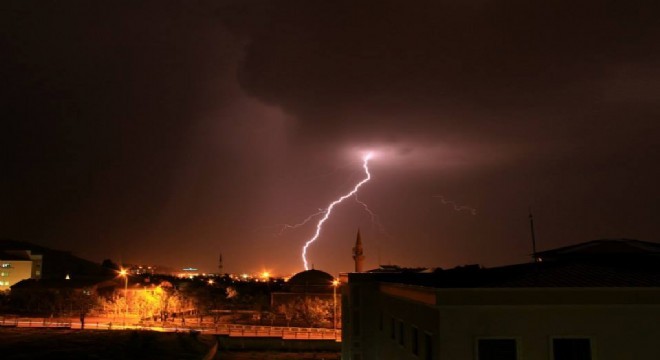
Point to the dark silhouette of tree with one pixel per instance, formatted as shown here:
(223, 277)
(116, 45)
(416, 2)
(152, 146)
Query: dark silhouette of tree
(308, 312)
(108, 264)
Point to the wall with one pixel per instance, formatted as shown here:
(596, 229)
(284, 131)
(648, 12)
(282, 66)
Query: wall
(13, 271)
(627, 330)
(275, 344)
(622, 323)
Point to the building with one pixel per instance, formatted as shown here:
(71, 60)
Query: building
(51, 264)
(18, 265)
(315, 286)
(142, 269)
(189, 272)
(596, 300)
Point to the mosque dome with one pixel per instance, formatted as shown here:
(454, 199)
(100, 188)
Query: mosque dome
(311, 281)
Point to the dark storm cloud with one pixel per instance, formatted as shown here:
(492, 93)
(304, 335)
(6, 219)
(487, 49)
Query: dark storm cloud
(552, 104)
(98, 101)
(167, 131)
(394, 67)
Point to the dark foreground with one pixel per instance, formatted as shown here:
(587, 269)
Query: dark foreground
(21, 343)
(76, 344)
(258, 355)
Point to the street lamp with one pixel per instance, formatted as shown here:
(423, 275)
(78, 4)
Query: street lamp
(124, 273)
(335, 283)
(265, 275)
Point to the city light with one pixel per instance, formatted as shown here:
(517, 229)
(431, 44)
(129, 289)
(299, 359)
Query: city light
(335, 283)
(124, 274)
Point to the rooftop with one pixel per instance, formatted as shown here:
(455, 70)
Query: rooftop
(601, 263)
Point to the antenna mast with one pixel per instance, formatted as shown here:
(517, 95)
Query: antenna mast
(531, 225)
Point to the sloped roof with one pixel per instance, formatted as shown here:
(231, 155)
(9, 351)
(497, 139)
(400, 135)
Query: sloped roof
(605, 246)
(601, 263)
(13, 255)
(64, 283)
(552, 274)
(56, 263)
(573, 274)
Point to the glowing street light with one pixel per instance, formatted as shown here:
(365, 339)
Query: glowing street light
(124, 273)
(265, 275)
(335, 283)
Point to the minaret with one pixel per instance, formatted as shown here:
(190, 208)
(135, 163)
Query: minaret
(358, 254)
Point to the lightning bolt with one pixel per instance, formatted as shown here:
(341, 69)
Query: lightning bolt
(328, 210)
(286, 227)
(374, 217)
(456, 207)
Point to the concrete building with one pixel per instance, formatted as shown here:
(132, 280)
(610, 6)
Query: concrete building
(18, 265)
(597, 300)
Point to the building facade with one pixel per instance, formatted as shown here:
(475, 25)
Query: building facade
(18, 265)
(580, 304)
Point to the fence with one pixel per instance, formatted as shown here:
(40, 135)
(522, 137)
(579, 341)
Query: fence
(231, 330)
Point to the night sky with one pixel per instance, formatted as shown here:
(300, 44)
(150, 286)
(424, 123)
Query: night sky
(166, 132)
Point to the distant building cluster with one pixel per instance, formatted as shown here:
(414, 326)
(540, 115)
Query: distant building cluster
(143, 269)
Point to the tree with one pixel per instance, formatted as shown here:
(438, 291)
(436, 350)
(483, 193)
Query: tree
(83, 301)
(307, 311)
(107, 263)
(289, 312)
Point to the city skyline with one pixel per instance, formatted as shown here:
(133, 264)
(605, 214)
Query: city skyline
(169, 132)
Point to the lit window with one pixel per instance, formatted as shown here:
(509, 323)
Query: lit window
(573, 349)
(497, 349)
